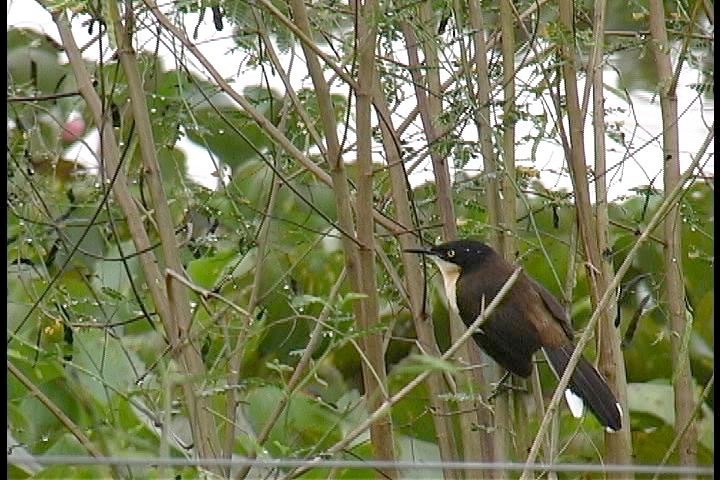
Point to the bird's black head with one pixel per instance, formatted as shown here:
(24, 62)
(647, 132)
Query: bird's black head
(463, 253)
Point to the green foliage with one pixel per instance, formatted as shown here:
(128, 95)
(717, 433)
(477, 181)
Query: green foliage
(306, 426)
(33, 68)
(84, 329)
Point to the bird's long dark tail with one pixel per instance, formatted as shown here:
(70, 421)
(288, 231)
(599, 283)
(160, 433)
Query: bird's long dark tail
(587, 383)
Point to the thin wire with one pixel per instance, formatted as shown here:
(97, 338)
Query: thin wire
(377, 464)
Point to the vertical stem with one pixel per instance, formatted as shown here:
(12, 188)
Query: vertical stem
(414, 284)
(509, 118)
(430, 110)
(673, 254)
(441, 168)
(619, 446)
(481, 115)
(669, 201)
(173, 311)
(381, 433)
(494, 208)
(343, 201)
(338, 174)
(485, 416)
(236, 355)
(508, 208)
(576, 161)
(429, 105)
(610, 358)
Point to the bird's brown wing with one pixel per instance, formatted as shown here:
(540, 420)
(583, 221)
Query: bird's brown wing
(554, 307)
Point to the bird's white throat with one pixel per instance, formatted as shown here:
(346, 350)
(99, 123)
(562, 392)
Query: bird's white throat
(450, 273)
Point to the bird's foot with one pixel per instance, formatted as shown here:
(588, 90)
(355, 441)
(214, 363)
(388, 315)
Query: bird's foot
(504, 386)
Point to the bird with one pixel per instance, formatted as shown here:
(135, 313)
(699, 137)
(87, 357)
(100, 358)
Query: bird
(528, 319)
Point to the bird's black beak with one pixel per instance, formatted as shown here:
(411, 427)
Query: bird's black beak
(424, 251)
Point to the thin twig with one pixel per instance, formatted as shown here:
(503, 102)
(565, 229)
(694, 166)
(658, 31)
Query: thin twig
(297, 375)
(681, 433)
(204, 292)
(55, 410)
(42, 98)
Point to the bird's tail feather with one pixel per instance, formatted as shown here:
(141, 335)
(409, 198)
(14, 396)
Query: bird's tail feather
(587, 383)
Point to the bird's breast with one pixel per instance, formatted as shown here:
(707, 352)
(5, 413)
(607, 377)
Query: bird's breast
(450, 273)
(451, 291)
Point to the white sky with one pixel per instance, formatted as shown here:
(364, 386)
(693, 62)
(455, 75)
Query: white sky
(638, 170)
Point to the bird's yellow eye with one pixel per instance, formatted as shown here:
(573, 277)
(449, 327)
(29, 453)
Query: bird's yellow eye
(451, 253)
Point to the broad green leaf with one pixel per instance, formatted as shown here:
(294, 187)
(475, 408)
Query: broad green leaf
(104, 360)
(206, 271)
(305, 425)
(658, 399)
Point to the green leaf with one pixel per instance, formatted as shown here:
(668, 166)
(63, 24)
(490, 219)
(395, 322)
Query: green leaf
(653, 398)
(351, 297)
(58, 472)
(104, 361)
(658, 399)
(206, 271)
(112, 293)
(305, 300)
(420, 363)
(305, 424)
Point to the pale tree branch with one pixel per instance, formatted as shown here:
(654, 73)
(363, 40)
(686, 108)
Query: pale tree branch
(201, 421)
(56, 411)
(674, 285)
(610, 358)
(198, 416)
(415, 284)
(428, 92)
(235, 361)
(381, 431)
